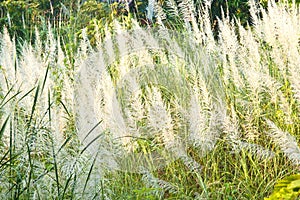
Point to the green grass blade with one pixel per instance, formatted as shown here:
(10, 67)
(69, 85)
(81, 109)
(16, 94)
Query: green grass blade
(89, 174)
(64, 144)
(3, 127)
(33, 106)
(65, 108)
(66, 186)
(3, 157)
(96, 138)
(45, 79)
(92, 129)
(4, 101)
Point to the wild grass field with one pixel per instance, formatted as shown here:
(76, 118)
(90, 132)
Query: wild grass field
(153, 113)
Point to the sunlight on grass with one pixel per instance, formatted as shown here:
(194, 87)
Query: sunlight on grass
(153, 113)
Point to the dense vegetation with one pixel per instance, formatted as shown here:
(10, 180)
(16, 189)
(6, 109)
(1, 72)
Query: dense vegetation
(21, 16)
(101, 101)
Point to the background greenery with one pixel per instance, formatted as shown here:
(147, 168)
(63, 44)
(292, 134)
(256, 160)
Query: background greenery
(24, 15)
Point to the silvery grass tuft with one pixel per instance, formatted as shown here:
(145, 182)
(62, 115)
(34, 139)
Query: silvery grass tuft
(286, 142)
(173, 113)
(252, 72)
(40, 158)
(160, 102)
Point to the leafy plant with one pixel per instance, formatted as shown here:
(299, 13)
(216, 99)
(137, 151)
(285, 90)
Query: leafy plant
(286, 189)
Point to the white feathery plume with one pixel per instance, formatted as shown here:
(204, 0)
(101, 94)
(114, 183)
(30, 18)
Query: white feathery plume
(108, 47)
(199, 135)
(142, 43)
(287, 41)
(31, 68)
(257, 150)
(50, 48)
(204, 120)
(150, 10)
(104, 92)
(249, 52)
(285, 141)
(8, 59)
(286, 26)
(253, 8)
(124, 49)
(231, 128)
(58, 124)
(272, 87)
(148, 37)
(31, 73)
(137, 40)
(266, 28)
(91, 130)
(134, 110)
(38, 47)
(255, 81)
(169, 42)
(234, 137)
(161, 123)
(187, 9)
(124, 66)
(172, 8)
(85, 98)
(295, 83)
(279, 31)
(160, 14)
(109, 110)
(205, 22)
(161, 185)
(229, 48)
(160, 119)
(84, 49)
(285, 107)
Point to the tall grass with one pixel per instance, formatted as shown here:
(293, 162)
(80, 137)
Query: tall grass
(153, 113)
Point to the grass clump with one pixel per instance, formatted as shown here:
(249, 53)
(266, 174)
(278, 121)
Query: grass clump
(153, 113)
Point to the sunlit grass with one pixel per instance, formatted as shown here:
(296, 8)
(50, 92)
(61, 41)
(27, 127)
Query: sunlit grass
(176, 116)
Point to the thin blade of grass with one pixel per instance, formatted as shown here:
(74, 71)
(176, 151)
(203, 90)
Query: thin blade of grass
(4, 126)
(90, 172)
(64, 144)
(92, 129)
(91, 142)
(25, 95)
(66, 187)
(33, 106)
(45, 78)
(3, 102)
(65, 108)
(3, 157)
(53, 150)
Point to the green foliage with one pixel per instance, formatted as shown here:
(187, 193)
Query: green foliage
(286, 189)
(235, 8)
(21, 16)
(34, 164)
